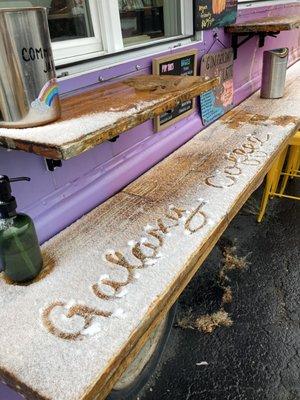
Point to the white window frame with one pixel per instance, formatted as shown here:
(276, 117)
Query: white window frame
(108, 34)
(66, 49)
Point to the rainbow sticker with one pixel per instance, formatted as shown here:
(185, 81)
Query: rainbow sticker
(49, 92)
(46, 97)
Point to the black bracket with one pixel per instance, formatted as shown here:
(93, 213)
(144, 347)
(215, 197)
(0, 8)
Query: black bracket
(249, 35)
(53, 164)
(114, 139)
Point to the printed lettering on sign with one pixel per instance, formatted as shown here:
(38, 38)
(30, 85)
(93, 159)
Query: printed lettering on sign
(35, 55)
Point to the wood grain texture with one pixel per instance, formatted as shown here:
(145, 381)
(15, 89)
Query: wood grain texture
(255, 133)
(270, 24)
(153, 95)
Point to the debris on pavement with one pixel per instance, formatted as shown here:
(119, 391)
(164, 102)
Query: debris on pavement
(227, 295)
(186, 321)
(209, 322)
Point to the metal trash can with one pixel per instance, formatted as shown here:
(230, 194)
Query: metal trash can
(28, 85)
(274, 73)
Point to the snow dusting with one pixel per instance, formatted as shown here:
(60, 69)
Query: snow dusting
(65, 131)
(58, 345)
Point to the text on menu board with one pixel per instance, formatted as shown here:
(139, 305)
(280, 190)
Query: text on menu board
(184, 64)
(218, 101)
(214, 13)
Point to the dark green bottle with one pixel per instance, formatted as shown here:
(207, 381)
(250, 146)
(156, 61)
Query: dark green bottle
(20, 253)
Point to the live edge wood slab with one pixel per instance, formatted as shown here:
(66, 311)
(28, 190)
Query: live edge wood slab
(92, 117)
(269, 24)
(112, 276)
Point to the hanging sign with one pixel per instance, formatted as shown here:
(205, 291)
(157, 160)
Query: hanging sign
(219, 100)
(184, 63)
(214, 13)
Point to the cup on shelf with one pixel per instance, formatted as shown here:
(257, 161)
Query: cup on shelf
(28, 86)
(274, 73)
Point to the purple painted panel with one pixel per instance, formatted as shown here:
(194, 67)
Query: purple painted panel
(8, 394)
(133, 137)
(14, 163)
(85, 162)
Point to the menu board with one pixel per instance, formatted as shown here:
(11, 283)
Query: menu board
(218, 101)
(184, 63)
(214, 13)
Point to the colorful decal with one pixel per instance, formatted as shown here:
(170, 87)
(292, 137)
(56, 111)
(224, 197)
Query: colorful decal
(218, 101)
(46, 97)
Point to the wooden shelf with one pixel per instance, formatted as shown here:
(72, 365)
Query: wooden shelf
(223, 165)
(262, 28)
(270, 24)
(123, 105)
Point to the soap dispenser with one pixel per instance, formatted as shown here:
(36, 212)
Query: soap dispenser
(20, 254)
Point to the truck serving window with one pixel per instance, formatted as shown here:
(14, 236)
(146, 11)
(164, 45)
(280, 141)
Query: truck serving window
(85, 29)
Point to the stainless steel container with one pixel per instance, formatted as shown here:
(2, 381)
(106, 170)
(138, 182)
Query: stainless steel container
(28, 86)
(274, 73)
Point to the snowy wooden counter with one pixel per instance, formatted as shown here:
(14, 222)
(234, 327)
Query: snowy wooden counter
(114, 274)
(92, 117)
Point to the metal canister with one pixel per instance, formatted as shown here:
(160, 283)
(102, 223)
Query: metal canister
(28, 86)
(274, 73)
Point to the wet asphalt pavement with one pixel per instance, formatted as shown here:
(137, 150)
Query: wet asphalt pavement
(258, 357)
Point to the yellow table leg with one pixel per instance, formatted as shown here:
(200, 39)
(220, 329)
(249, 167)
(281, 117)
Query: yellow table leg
(272, 181)
(291, 167)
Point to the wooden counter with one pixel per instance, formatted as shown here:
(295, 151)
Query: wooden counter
(100, 114)
(113, 275)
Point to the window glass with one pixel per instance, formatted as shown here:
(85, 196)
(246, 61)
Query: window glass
(146, 20)
(68, 19)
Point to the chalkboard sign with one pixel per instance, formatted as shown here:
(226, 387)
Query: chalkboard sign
(184, 63)
(214, 13)
(218, 101)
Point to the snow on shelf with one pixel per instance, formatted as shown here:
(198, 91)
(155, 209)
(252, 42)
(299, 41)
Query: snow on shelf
(105, 112)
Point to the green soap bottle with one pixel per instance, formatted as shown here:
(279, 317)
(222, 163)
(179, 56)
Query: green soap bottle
(20, 253)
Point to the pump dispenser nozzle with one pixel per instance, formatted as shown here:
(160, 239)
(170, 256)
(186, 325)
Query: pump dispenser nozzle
(8, 203)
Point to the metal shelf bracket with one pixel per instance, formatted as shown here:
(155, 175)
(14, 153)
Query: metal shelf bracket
(249, 35)
(53, 164)
(114, 139)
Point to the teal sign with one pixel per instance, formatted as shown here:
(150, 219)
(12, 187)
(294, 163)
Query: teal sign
(218, 101)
